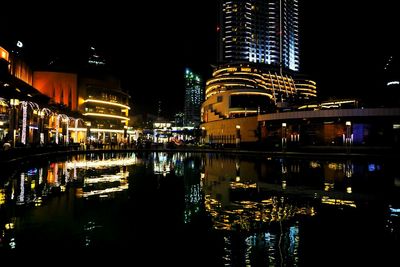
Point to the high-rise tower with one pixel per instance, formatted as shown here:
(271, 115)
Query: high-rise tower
(193, 98)
(260, 31)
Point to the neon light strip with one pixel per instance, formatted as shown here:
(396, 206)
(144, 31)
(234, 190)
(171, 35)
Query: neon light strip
(106, 103)
(96, 130)
(105, 115)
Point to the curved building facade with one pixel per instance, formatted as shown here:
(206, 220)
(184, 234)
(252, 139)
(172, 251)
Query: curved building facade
(260, 31)
(306, 88)
(238, 90)
(106, 106)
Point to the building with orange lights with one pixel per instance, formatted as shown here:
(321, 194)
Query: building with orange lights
(61, 87)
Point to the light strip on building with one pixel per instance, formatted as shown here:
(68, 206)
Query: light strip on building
(97, 130)
(106, 103)
(106, 130)
(105, 115)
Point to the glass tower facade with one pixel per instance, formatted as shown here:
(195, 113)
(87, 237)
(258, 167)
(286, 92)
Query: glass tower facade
(193, 98)
(260, 31)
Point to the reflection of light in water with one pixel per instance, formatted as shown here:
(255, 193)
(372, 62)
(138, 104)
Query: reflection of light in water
(38, 202)
(161, 164)
(40, 175)
(52, 175)
(335, 166)
(193, 201)
(349, 190)
(283, 185)
(338, 202)
(106, 191)
(101, 163)
(314, 164)
(294, 242)
(349, 169)
(227, 257)
(12, 243)
(21, 196)
(107, 178)
(328, 186)
(2, 196)
(242, 214)
(102, 180)
(392, 223)
(89, 228)
(237, 185)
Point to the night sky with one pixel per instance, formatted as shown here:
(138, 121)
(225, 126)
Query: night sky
(343, 43)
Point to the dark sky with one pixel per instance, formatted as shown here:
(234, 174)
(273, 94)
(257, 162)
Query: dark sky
(150, 43)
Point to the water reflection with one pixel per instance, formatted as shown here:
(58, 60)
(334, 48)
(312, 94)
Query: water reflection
(234, 210)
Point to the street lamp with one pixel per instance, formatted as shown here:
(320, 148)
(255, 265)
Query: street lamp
(348, 139)
(13, 119)
(88, 124)
(284, 136)
(203, 135)
(237, 136)
(40, 115)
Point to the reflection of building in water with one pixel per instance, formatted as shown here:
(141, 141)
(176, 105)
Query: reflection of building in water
(194, 201)
(259, 231)
(269, 248)
(162, 163)
(392, 224)
(104, 185)
(100, 175)
(257, 227)
(103, 175)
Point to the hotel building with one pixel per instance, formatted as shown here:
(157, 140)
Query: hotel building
(260, 31)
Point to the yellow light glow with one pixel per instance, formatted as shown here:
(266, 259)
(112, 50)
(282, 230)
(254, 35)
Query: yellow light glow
(105, 115)
(2, 197)
(3, 54)
(106, 130)
(106, 103)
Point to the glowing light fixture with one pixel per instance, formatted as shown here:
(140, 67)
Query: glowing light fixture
(105, 115)
(106, 103)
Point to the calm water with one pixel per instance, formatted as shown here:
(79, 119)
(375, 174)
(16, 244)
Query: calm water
(188, 209)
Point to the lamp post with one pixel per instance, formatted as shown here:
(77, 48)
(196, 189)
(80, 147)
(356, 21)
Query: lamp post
(13, 120)
(349, 139)
(284, 141)
(203, 135)
(88, 124)
(237, 136)
(40, 126)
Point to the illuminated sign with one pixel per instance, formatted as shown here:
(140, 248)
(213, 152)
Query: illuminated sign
(3, 53)
(20, 44)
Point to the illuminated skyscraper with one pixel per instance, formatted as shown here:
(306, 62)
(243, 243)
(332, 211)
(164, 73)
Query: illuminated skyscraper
(260, 31)
(193, 98)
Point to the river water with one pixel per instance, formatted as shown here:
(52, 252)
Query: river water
(203, 209)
